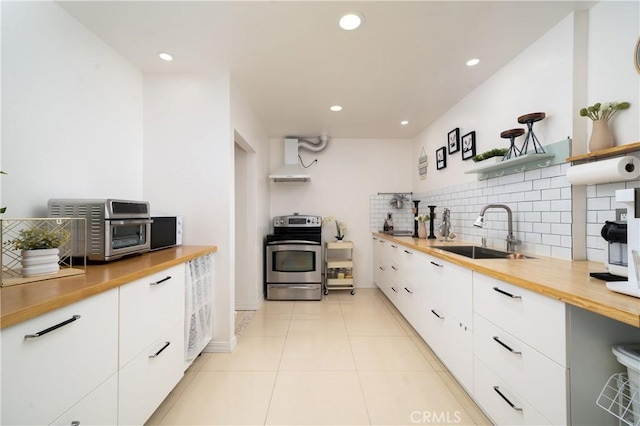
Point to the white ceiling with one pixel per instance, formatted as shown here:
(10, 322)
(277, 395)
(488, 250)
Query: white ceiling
(292, 61)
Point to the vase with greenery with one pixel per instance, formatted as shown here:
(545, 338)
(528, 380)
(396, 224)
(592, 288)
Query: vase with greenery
(341, 228)
(40, 249)
(496, 152)
(422, 225)
(600, 114)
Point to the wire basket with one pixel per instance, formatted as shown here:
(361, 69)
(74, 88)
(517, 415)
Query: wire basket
(621, 397)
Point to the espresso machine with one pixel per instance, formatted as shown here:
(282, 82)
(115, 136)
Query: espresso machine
(616, 256)
(631, 198)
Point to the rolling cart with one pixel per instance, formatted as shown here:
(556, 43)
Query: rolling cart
(338, 266)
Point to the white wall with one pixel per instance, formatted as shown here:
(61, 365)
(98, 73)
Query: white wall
(347, 173)
(188, 168)
(539, 79)
(253, 223)
(613, 31)
(71, 112)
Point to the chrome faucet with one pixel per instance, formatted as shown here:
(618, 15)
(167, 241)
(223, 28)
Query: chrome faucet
(511, 240)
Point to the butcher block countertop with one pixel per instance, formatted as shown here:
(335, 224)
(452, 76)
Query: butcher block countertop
(22, 302)
(564, 280)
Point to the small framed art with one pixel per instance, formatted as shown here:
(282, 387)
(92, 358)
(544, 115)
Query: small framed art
(441, 158)
(469, 145)
(454, 140)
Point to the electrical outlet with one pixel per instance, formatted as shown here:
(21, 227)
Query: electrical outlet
(621, 215)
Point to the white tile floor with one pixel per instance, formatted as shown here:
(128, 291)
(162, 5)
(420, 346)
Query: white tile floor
(347, 360)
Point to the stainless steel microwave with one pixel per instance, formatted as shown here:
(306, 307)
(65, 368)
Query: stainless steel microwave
(115, 228)
(166, 231)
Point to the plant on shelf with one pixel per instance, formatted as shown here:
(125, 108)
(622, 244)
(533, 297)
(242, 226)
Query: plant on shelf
(603, 111)
(422, 225)
(496, 152)
(40, 248)
(423, 218)
(341, 228)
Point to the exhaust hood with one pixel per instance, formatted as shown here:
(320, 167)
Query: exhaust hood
(291, 171)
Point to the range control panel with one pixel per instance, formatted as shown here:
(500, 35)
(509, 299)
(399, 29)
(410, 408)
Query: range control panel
(296, 220)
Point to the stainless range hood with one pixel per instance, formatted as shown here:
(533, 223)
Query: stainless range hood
(291, 171)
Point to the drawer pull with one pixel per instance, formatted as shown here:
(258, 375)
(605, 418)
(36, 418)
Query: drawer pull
(436, 314)
(161, 281)
(507, 347)
(75, 423)
(381, 268)
(497, 389)
(50, 329)
(394, 289)
(408, 252)
(408, 291)
(506, 293)
(394, 246)
(437, 264)
(166, 345)
(394, 268)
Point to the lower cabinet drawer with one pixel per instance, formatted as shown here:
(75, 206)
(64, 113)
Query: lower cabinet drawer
(540, 381)
(149, 377)
(501, 403)
(100, 407)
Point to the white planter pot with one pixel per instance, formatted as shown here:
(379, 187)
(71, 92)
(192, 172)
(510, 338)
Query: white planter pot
(40, 262)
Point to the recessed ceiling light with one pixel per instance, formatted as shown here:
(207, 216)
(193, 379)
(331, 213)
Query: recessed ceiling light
(351, 21)
(336, 108)
(473, 62)
(165, 56)
(404, 122)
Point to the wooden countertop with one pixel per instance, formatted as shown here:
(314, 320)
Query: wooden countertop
(564, 280)
(22, 302)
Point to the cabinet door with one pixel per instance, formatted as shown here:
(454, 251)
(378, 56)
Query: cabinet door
(100, 407)
(146, 381)
(537, 320)
(148, 308)
(539, 380)
(450, 286)
(501, 403)
(77, 349)
(459, 352)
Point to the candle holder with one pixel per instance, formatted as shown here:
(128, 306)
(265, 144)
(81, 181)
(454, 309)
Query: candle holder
(415, 215)
(432, 217)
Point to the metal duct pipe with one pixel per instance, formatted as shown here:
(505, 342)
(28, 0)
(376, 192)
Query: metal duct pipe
(314, 144)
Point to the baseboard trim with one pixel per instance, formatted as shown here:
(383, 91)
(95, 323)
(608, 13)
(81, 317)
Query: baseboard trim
(221, 347)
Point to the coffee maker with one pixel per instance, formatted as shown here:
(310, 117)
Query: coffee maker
(616, 259)
(631, 198)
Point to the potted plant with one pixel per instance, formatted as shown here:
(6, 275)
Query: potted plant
(600, 114)
(422, 227)
(341, 228)
(497, 152)
(40, 249)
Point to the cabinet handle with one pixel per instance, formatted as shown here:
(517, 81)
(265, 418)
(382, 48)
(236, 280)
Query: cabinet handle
(161, 281)
(497, 389)
(394, 268)
(506, 293)
(436, 314)
(408, 291)
(75, 423)
(408, 252)
(166, 345)
(394, 246)
(394, 289)
(507, 347)
(437, 264)
(50, 329)
(381, 268)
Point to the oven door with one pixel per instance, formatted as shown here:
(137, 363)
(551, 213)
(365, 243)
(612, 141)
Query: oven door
(126, 236)
(293, 262)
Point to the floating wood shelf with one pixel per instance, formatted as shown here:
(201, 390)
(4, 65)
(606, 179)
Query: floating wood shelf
(609, 152)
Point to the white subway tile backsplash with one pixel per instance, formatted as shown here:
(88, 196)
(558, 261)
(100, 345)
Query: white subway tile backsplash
(560, 229)
(551, 217)
(599, 203)
(542, 228)
(541, 206)
(551, 194)
(609, 189)
(542, 184)
(561, 205)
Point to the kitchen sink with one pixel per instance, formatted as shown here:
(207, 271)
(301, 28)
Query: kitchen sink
(477, 252)
(399, 233)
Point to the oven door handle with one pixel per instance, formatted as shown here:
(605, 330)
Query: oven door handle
(299, 242)
(131, 222)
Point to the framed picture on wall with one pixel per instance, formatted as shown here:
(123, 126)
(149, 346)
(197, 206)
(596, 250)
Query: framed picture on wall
(469, 145)
(454, 140)
(441, 158)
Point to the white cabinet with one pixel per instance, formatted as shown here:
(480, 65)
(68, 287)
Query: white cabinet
(100, 407)
(147, 380)
(151, 342)
(51, 362)
(520, 342)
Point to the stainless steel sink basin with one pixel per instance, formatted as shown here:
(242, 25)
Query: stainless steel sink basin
(477, 252)
(399, 233)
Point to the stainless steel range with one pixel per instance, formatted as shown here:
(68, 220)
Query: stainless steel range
(293, 258)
